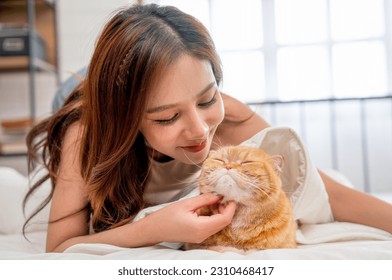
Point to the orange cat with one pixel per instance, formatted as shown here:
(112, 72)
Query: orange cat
(263, 217)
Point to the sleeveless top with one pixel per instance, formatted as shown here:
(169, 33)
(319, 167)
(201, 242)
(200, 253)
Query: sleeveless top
(170, 181)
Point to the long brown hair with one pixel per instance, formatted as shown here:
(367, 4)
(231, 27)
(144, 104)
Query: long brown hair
(133, 51)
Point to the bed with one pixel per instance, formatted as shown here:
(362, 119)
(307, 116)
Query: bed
(318, 238)
(320, 241)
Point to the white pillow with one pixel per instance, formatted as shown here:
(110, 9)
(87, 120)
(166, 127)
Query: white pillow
(13, 188)
(300, 178)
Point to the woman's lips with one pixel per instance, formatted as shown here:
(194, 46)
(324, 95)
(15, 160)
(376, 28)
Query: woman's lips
(197, 148)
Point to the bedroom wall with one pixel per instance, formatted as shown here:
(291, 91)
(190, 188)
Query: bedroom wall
(78, 25)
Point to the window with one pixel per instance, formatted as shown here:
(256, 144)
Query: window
(299, 49)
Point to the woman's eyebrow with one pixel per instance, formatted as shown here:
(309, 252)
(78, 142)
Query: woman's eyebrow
(168, 106)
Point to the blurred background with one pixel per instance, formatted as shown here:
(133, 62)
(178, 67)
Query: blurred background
(323, 67)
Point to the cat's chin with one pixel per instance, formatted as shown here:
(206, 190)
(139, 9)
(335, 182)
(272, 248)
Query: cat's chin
(225, 198)
(238, 200)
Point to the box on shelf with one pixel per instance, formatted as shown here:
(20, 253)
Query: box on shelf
(13, 136)
(15, 45)
(14, 41)
(13, 148)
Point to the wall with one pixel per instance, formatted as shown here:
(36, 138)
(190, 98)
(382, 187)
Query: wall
(78, 25)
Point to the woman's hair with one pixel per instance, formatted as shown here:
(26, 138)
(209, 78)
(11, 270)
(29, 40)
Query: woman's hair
(132, 53)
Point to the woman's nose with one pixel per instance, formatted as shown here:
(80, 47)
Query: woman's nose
(198, 127)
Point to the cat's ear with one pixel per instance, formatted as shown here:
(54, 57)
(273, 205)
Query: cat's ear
(278, 162)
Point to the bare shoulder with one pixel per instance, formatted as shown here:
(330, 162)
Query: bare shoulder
(73, 134)
(70, 167)
(240, 122)
(235, 110)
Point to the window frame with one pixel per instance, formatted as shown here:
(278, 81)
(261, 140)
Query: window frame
(271, 47)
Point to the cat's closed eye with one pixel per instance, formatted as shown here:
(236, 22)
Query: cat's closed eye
(248, 162)
(219, 160)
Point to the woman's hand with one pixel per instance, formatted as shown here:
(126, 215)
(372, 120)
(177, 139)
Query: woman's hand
(180, 221)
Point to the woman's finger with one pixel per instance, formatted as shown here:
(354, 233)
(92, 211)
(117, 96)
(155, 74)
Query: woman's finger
(202, 200)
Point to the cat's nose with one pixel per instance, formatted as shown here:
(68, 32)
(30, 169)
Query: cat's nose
(228, 167)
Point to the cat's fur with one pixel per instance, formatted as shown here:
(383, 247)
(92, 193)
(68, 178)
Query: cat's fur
(263, 217)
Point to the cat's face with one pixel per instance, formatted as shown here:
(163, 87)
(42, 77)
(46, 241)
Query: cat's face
(240, 173)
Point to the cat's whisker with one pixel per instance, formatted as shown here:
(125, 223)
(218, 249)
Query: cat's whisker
(185, 182)
(252, 184)
(217, 141)
(265, 193)
(211, 179)
(194, 163)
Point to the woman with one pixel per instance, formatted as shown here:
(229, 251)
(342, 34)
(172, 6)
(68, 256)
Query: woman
(136, 130)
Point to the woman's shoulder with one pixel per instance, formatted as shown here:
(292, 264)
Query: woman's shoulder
(235, 110)
(70, 147)
(70, 165)
(74, 132)
(240, 123)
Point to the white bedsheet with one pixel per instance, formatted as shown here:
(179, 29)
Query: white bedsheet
(323, 239)
(366, 243)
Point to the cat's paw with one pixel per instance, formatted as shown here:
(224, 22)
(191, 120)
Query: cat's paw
(250, 251)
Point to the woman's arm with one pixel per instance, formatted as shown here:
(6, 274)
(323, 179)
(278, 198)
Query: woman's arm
(69, 218)
(178, 222)
(349, 205)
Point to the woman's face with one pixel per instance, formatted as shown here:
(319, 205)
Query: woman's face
(184, 111)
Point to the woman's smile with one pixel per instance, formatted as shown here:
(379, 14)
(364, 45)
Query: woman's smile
(196, 148)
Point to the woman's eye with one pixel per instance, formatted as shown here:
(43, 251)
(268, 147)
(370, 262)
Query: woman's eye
(209, 102)
(167, 121)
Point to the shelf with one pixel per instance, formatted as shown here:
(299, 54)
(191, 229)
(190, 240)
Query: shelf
(23, 3)
(38, 18)
(50, 2)
(17, 63)
(13, 137)
(14, 13)
(13, 149)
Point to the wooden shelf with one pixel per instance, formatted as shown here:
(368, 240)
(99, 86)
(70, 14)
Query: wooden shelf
(39, 17)
(13, 137)
(16, 63)
(14, 13)
(13, 149)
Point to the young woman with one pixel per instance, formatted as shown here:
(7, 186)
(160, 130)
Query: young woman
(137, 129)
